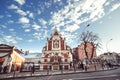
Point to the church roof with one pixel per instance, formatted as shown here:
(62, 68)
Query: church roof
(33, 55)
(56, 32)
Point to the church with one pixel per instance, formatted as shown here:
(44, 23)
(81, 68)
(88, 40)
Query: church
(56, 54)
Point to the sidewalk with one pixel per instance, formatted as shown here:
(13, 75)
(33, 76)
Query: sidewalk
(47, 73)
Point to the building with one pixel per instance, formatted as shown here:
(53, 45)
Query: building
(56, 54)
(79, 52)
(111, 57)
(10, 58)
(30, 59)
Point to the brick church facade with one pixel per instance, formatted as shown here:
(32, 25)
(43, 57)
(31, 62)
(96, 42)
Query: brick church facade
(56, 54)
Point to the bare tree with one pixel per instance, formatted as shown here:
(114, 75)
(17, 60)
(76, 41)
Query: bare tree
(90, 37)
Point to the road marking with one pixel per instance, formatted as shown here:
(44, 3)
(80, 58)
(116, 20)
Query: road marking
(97, 77)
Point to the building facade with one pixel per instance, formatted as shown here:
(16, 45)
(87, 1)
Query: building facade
(10, 58)
(56, 54)
(111, 57)
(79, 51)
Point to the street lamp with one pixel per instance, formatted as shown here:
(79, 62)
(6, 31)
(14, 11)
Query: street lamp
(86, 27)
(85, 61)
(108, 43)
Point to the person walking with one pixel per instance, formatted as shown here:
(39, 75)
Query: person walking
(85, 64)
(81, 65)
(33, 68)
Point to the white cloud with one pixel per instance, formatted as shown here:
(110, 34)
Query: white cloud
(44, 32)
(37, 35)
(71, 28)
(21, 12)
(74, 11)
(61, 24)
(47, 4)
(107, 3)
(71, 16)
(9, 39)
(11, 29)
(69, 37)
(56, 1)
(30, 40)
(39, 12)
(36, 27)
(24, 20)
(3, 26)
(21, 2)
(27, 30)
(10, 21)
(26, 25)
(8, 15)
(19, 38)
(28, 12)
(96, 10)
(13, 7)
(42, 21)
(31, 15)
(114, 7)
(17, 10)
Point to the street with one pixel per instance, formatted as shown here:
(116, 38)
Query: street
(100, 75)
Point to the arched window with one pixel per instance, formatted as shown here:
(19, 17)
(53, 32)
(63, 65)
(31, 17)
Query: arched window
(56, 44)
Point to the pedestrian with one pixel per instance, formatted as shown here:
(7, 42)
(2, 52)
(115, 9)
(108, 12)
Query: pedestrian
(102, 65)
(0, 68)
(109, 64)
(5, 69)
(85, 65)
(33, 68)
(81, 65)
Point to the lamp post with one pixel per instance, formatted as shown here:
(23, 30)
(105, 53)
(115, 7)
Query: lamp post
(84, 31)
(86, 27)
(85, 61)
(108, 43)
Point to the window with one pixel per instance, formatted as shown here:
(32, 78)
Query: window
(66, 60)
(45, 60)
(55, 58)
(55, 44)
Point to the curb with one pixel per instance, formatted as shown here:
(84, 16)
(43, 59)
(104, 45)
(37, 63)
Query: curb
(54, 74)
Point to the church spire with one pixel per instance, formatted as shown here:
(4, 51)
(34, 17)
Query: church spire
(56, 31)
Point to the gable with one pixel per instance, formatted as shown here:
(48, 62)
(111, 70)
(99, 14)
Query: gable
(55, 33)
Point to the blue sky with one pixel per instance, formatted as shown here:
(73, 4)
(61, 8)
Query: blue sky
(26, 24)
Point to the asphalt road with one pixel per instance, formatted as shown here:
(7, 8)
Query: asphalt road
(102, 75)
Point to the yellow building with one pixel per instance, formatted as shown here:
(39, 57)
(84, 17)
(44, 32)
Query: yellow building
(10, 58)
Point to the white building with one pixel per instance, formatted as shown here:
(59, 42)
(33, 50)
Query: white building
(32, 59)
(111, 57)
